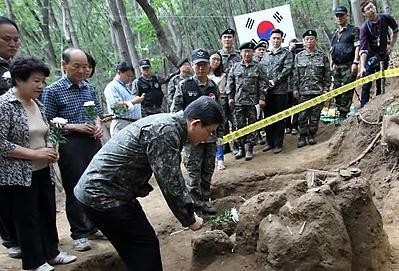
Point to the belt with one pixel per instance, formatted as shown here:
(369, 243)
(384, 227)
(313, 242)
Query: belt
(127, 119)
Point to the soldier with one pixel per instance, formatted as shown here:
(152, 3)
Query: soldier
(374, 46)
(229, 57)
(185, 72)
(344, 59)
(150, 86)
(200, 159)
(246, 83)
(311, 78)
(260, 49)
(120, 172)
(278, 65)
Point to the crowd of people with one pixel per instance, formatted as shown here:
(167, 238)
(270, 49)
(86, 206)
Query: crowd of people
(214, 92)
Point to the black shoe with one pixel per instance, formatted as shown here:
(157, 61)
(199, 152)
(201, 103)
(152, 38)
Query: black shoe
(311, 139)
(294, 131)
(208, 210)
(267, 148)
(249, 154)
(240, 154)
(277, 150)
(301, 142)
(288, 130)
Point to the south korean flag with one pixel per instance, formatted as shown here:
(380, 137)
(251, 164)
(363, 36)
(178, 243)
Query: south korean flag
(259, 25)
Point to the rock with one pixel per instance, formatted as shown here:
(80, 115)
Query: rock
(323, 245)
(251, 214)
(207, 246)
(370, 246)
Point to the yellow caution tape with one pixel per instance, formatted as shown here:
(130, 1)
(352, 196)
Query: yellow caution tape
(308, 104)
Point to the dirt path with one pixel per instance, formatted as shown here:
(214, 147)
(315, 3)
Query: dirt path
(176, 249)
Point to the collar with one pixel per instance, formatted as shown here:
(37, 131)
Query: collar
(274, 51)
(200, 83)
(10, 97)
(69, 84)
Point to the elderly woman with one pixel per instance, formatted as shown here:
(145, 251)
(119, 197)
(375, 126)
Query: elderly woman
(25, 156)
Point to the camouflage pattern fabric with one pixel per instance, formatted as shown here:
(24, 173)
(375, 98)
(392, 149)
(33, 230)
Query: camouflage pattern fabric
(200, 164)
(147, 111)
(245, 115)
(342, 76)
(308, 120)
(121, 170)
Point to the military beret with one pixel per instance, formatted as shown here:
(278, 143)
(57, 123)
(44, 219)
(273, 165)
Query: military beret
(144, 63)
(262, 44)
(247, 45)
(310, 33)
(199, 55)
(228, 31)
(341, 10)
(182, 61)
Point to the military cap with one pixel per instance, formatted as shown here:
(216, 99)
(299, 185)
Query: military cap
(199, 55)
(124, 66)
(247, 45)
(182, 61)
(262, 43)
(310, 33)
(144, 63)
(341, 10)
(228, 31)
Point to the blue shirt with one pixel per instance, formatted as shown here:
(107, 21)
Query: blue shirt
(117, 91)
(65, 100)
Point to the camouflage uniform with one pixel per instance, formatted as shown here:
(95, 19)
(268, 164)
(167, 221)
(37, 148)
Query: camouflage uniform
(199, 160)
(5, 82)
(172, 88)
(246, 85)
(343, 47)
(311, 78)
(228, 61)
(278, 66)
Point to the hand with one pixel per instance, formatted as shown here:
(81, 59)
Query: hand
(106, 118)
(46, 154)
(99, 132)
(84, 128)
(354, 68)
(296, 93)
(271, 83)
(362, 71)
(199, 222)
(138, 99)
(262, 103)
(231, 103)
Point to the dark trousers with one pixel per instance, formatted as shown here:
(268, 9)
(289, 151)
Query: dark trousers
(34, 215)
(128, 230)
(275, 103)
(292, 121)
(370, 69)
(8, 233)
(75, 156)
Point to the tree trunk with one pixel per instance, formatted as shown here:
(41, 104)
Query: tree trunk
(46, 33)
(357, 13)
(129, 37)
(117, 29)
(162, 38)
(335, 4)
(387, 7)
(229, 12)
(69, 29)
(10, 14)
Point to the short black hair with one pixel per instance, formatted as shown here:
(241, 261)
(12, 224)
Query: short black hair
(92, 64)
(206, 109)
(277, 31)
(365, 3)
(23, 67)
(219, 70)
(5, 20)
(124, 67)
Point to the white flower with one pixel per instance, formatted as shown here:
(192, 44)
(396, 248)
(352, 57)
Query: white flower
(60, 121)
(234, 215)
(89, 103)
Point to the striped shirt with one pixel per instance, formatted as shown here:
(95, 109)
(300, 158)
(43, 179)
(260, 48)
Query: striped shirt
(65, 100)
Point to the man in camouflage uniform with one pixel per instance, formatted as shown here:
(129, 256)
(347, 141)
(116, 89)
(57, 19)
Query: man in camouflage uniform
(345, 59)
(246, 84)
(119, 173)
(260, 49)
(229, 57)
(312, 77)
(278, 65)
(150, 86)
(199, 160)
(184, 73)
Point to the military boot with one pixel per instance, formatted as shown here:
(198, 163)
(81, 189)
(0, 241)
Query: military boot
(311, 139)
(301, 141)
(240, 154)
(249, 153)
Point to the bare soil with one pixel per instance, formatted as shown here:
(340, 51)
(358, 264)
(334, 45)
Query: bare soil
(336, 147)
